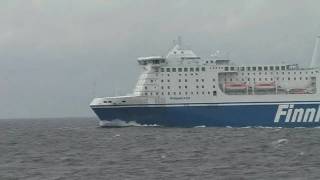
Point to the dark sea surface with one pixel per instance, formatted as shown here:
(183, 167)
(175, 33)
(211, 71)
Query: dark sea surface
(79, 149)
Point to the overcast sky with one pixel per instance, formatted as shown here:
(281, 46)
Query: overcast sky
(53, 52)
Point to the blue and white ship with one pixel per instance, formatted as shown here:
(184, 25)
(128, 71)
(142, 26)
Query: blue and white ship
(183, 90)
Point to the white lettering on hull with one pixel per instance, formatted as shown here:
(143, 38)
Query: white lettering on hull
(289, 114)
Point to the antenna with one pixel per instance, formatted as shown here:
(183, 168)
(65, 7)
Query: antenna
(315, 62)
(179, 41)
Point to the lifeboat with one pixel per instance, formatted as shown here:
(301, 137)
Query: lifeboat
(235, 86)
(298, 91)
(265, 86)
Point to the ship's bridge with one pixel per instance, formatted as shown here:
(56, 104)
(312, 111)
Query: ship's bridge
(151, 60)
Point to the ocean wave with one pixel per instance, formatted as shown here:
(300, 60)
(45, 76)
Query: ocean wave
(121, 123)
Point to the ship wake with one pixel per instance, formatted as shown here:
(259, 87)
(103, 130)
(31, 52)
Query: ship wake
(121, 123)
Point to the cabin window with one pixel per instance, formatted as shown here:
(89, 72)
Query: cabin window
(214, 86)
(179, 87)
(179, 80)
(226, 68)
(185, 80)
(231, 68)
(168, 80)
(202, 80)
(265, 68)
(248, 68)
(214, 93)
(168, 69)
(185, 69)
(186, 87)
(213, 80)
(174, 69)
(179, 69)
(197, 80)
(242, 68)
(254, 68)
(174, 93)
(168, 87)
(271, 68)
(197, 69)
(145, 87)
(162, 69)
(277, 68)
(186, 93)
(259, 68)
(202, 87)
(203, 69)
(146, 94)
(191, 69)
(283, 68)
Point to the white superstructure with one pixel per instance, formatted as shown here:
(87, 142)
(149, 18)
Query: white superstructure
(183, 77)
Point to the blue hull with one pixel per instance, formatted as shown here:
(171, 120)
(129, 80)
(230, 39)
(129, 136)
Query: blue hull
(217, 115)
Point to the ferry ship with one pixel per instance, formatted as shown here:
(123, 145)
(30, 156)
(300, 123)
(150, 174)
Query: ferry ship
(183, 90)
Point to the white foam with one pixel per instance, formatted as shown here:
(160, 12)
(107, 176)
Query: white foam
(280, 142)
(121, 123)
(202, 126)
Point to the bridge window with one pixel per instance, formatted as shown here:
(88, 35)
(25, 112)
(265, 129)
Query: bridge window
(162, 69)
(226, 68)
(277, 68)
(254, 68)
(214, 93)
(283, 68)
(179, 69)
(191, 69)
(185, 69)
(174, 69)
(197, 69)
(259, 68)
(185, 80)
(271, 68)
(242, 68)
(248, 68)
(265, 68)
(168, 69)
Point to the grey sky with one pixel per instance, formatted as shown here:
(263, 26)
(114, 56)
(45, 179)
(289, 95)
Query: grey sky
(52, 52)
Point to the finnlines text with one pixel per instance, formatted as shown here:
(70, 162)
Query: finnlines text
(289, 114)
